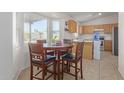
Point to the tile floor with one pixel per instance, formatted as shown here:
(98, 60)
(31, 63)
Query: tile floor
(104, 69)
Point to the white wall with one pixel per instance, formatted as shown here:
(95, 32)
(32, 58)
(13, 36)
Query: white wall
(12, 56)
(68, 35)
(19, 50)
(121, 43)
(6, 64)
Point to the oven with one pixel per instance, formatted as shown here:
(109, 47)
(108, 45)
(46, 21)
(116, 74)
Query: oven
(101, 43)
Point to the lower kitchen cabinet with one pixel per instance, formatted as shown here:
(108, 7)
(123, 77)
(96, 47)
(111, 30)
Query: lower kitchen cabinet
(88, 50)
(108, 45)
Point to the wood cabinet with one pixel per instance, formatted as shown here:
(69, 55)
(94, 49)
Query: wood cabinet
(98, 26)
(72, 26)
(107, 28)
(80, 30)
(88, 50)
(108, 45)
(115, 24)
(87, 29)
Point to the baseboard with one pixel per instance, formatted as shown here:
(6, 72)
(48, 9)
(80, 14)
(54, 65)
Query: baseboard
(18, 73)
(120, 71)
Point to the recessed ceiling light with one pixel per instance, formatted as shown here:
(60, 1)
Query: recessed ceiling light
(99, 14)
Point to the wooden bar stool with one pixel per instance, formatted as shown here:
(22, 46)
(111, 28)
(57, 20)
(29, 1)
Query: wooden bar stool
(50, 52)
(74, 59)
(38, 59)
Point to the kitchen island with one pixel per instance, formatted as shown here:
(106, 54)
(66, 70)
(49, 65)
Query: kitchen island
(88, 50)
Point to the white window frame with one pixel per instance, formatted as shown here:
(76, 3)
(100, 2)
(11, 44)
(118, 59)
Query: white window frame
(59, 27)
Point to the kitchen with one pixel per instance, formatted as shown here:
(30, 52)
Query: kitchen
(102, 24)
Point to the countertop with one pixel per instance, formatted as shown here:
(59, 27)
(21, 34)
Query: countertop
(81, 40)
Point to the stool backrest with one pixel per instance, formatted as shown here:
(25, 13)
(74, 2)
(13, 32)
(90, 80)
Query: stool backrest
(36, 51)
(79, 50)
(41, 41)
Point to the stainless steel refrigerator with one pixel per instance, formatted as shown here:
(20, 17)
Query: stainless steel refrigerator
(115, 41)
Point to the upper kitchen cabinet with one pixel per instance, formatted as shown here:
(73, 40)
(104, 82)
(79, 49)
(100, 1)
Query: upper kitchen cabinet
(79, 29)
(72, 26)
(114, 25)
(87, 29)
(98, 26)
(107, 28)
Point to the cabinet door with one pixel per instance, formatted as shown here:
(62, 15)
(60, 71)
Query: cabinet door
(88, 29)
(72, 26)
(107, 28)
(98, 26)
(108, 45)
(85, 29)
(116, 24)
(87, 50)
(111, 26)
(80, 30)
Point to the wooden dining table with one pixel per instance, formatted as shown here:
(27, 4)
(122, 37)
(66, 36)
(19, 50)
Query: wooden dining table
(57, 48)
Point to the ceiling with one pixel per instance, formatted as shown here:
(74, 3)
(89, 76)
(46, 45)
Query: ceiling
(79, 16)
(87, 16)
(34, 16)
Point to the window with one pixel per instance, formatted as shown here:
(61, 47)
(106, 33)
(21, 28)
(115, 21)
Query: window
(55, 30)
(26, 32)
(39, 30)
